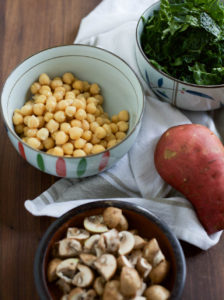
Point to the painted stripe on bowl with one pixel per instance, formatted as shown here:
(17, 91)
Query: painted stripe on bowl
(81, 169)
(21, 150)
(40, 162)
(104, 160)
(61, 167)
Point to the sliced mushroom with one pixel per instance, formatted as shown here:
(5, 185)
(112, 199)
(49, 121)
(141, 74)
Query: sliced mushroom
(159, 273)
(90, 243)
(100, 246)
(77, 233)
(153, 253)
(66, 269)
(64, 297)
(95, 224)
(130, 282)
(76, 294)
(134, 256)
(106, 265)
(51, 269)
(111, 291)
(143, 267)
(122, 261)
(87, 259)
(89, 295)
(139, 242)
(142, 289)
(69, 247)
(134, 231)
(157, 292)
(139, 298)
(123, 225)
(112, 240)
(127, 242)
(99, 284)
(85, 276)
(64, 286)
(112, 216)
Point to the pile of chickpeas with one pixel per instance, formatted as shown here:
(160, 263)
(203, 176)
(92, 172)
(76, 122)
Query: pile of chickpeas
(65, 117)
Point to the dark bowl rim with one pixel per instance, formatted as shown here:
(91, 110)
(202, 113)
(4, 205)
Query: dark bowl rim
(41, 249)
(161, 72)
(75, 45)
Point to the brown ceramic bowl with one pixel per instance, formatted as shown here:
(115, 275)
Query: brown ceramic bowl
(145, 222)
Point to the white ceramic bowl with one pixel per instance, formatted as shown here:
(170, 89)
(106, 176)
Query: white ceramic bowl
(181, 94)
(120, 88)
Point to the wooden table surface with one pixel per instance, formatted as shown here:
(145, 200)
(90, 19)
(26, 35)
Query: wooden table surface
(26, 27)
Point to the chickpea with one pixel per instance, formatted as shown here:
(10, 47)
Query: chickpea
(90, 118)
(114, 119)
(40, 99)
(58, 151)
(45, 90)
(79, 143)
(60, 89)
(79, 153)
(107, 128)
(61, 138)
(110, 137)
(38, 109)
(35, 87)
(114, 127)
(93, 126)
(48, 116)
(78, 85)
(80, 114)
(123, 115)
(97, 113)
(122, 126)
(97, 149)
(44, 79)
(48, 143)
(99, 98)
(56, 82)
(88, 148)
(92, 100)
(94, 89)
(41, 121)
(59, 116)
(58, 96)
(75, 133)
(68, 148)
(34, 142)
(43, 134)
(61, 105)
(100, 108)
(95, 140)
(69, 95)
(76, 92)
(17, 118)
(86, 86)
(51, 104)
(19, 128)
(65, 127)
(50, 151)
(25, 120)
(76, 123)
(79, 104)
(91, 108)
(85, 125)
(30, 132)
(67, 87)
(86, 95)
(26, 110)
(103, 143)
(111, 143)
(52, 126)
(33, 122)
(87, 135)
(100, 132)
(68, 78)
(70, 111)
(120, 135)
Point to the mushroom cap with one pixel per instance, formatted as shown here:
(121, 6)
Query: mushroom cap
(130, 282)
(127, 242)
(122, 261)
(123, 224)
(91, 242)
(99, 284)
(112, 216)
(87, 259)
(159, 273)
(139, 242)
(157, 292)
(112, 240)
(90, 295)
(151, 250)
(85, 276)
(111, 291)
(51, 269)
(106, 265)
(77, 233)
(69, 247)
(76, 294)
(66, 269)
(95, 224)
(64, 286)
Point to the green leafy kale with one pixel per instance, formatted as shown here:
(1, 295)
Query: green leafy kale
(185, 38)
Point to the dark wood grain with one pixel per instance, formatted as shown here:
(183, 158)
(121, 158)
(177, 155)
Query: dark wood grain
(27, 26)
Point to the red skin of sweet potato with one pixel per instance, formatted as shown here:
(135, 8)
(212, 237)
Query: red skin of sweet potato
(190, 158)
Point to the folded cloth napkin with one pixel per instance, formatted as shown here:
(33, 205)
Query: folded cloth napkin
(111, 25)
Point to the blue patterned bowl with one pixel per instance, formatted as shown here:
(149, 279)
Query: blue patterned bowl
(120, 87)
(181, 94)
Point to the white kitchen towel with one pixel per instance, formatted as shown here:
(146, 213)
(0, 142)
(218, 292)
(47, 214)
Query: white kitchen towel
(111, 25)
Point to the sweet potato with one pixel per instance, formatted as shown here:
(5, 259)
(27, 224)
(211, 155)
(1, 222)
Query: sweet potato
(191, 159)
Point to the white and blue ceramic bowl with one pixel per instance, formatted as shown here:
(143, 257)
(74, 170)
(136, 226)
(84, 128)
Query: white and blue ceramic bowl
(181, 94)
(119, 85)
